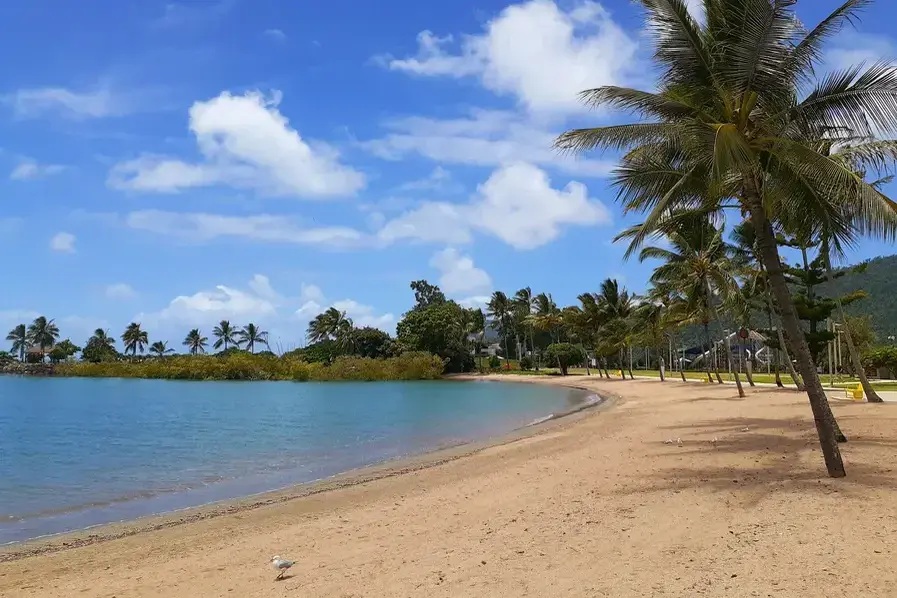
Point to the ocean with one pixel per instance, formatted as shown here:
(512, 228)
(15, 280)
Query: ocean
(79, 452)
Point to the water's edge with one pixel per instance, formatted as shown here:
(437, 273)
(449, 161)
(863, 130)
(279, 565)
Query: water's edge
(381, 470)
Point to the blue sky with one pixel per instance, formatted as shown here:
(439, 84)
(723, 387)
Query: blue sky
(182, 163)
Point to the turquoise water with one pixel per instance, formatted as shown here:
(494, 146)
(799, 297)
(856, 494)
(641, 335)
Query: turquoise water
(77, 452)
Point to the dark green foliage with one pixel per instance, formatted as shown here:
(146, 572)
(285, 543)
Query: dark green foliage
(234, 350)
(494, 362)
(426, 294)
(882, 358)
(373, 343)
(322, 352)
(63, 350)
(438, 328)
(565, 355)
(526, 363)
(97, 351)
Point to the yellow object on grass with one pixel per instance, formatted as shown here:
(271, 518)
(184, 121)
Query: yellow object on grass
(854, 393)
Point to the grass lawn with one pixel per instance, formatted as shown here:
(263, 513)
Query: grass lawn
(759, 377)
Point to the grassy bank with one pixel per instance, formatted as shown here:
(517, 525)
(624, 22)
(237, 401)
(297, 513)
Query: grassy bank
(408, 366)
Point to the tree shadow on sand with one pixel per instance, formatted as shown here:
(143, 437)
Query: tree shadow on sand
(772, 458)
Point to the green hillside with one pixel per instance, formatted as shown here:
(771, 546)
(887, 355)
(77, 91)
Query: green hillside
(879, 280)
(880, 283)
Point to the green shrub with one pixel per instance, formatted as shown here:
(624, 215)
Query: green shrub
(494, 362)
(526, 363)
(263, 366)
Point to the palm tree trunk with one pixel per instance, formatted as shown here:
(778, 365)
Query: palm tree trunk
(660, 363)
(728, 350)
(629, 363)
(748, 366)
(707, 354)
(822, 413)
(775, 352)
(871, 395)
(604, 363)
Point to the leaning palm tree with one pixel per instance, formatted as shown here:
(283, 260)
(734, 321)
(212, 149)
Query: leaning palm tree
(730, 126)
(160, 349)
(697, 265)
(135, 339)
(746, 258)
(225, 335)
(19, 338)
(195, 342)
(251, 335)
(333, 325)
(42, 333)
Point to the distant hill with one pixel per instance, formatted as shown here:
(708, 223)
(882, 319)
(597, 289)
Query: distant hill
(880, 283)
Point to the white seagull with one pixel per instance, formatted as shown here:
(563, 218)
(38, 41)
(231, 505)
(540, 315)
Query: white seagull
(281, 565)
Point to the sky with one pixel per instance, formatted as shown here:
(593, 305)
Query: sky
(180, 163)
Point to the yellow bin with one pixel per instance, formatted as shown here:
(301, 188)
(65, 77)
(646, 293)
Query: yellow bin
(855, 393)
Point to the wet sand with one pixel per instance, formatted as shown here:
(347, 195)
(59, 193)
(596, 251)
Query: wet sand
(596, 504)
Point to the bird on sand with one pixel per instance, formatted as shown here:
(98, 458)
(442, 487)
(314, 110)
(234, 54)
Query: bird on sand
(281, 565)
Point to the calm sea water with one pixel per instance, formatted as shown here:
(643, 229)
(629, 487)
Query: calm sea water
(76, 452)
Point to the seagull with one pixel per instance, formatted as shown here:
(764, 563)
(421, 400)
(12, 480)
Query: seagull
(281, 565)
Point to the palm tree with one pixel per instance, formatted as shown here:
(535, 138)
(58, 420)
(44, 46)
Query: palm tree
(652, 321)
(135, 339)
(195, 342)
(334, 325)
(501, 309)
(698, 266)
(42, 334)
(524, 301)
(19, 338)
(101, 338)
(728, 128)
(616, 306)
(160, 349)
(252, 335)
(746, 258)
(225, 335)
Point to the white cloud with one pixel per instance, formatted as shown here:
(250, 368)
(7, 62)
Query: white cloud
(852, 48)
(276, 34)
(121, 291)
(458, 274)
(439, 179)
(201, 227)
(517, 204)
(246, 143)
(33, 103)
(63, 242)
(696, 8)
(487, 138)
(29, 170)
(364, 315)
(535, 51)
(260, 303)
(431, 222)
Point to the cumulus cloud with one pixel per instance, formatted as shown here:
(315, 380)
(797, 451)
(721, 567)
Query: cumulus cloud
(458, 274)
(246, 143)
(517, 204)
(486, 138)
(29, 170)
(534, 51)
(258, 302)
(120, 291)
(63, 242)
(200, 227)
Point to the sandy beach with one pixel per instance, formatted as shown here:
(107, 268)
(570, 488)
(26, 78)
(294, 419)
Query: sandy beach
(597, 504)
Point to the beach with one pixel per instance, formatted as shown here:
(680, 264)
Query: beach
(599, 503)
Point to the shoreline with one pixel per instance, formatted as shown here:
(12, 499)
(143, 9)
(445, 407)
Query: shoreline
(52, 543)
